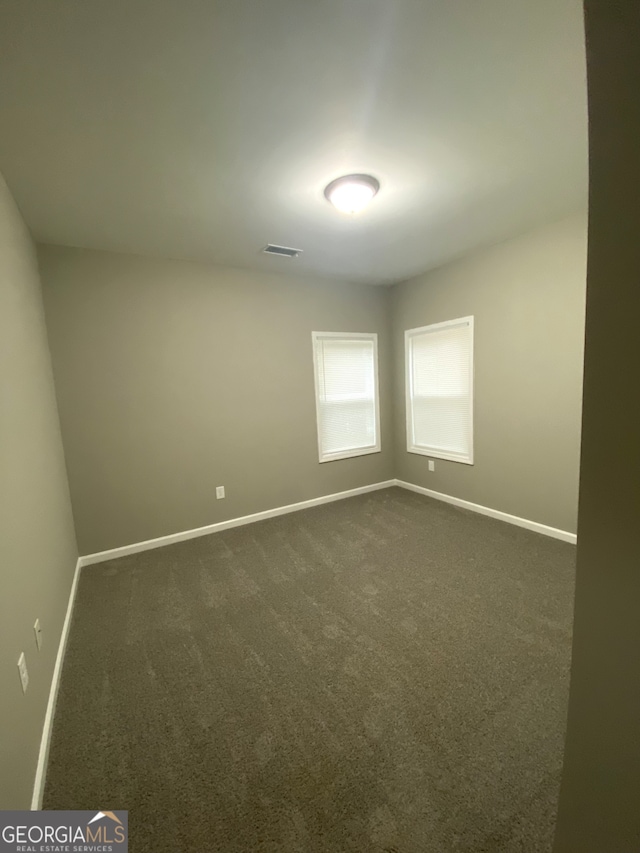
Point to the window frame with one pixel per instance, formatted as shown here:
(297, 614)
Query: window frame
(347, 336)
(421, 450)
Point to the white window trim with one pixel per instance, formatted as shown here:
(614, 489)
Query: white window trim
(466, 459)
(347, 336)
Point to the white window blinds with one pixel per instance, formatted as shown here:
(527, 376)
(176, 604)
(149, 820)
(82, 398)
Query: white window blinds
(346, 378)
(439, 379)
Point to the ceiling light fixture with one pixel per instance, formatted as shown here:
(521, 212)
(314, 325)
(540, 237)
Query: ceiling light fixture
(352, 193)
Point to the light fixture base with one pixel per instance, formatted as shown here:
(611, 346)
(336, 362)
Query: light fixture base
(351, 193)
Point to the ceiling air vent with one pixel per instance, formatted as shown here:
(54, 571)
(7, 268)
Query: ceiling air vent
(283, 251)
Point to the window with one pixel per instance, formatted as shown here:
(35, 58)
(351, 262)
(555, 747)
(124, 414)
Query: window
(439, 381)
(346, 374)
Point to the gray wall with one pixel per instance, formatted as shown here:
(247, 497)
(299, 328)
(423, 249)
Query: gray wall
(175, 377)
(527, 296)
(600, 795)
(37, 542)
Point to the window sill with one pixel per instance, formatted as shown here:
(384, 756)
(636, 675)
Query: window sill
(439, 454)
(348, 454)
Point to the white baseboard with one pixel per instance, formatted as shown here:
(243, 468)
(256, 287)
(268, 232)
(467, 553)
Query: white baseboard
(113, 553)
(45, 741)
(182, 536)
(536, 526)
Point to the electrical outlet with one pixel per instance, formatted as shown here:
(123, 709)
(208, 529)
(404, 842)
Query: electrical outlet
(219, 492)
(22, 669)
(432, 465)
(38, 632)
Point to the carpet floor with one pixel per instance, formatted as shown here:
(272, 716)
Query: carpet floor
(384, 673)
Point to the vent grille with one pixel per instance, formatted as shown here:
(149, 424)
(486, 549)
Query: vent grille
(283, 251)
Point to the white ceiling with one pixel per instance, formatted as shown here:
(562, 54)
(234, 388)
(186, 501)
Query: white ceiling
(206, 128)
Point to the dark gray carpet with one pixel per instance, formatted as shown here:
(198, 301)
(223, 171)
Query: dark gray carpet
(385, 673)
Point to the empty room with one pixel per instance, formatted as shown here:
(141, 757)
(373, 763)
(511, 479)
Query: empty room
(319, 476)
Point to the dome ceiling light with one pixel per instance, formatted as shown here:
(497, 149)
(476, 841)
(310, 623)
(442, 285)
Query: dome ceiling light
(352, 193)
